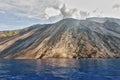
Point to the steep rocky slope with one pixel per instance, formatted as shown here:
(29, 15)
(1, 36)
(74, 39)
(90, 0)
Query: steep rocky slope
(68, 38)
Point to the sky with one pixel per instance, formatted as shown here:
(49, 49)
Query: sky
(17, 14)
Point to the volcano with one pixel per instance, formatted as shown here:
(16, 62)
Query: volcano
(68, 38)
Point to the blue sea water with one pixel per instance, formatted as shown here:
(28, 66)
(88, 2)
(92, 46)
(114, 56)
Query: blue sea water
(60, 69)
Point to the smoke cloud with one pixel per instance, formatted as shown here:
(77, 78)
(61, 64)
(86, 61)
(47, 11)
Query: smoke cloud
(84, 14)
(66, 12)
(43, 9)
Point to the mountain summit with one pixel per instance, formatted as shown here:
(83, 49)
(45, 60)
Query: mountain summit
(68, 38)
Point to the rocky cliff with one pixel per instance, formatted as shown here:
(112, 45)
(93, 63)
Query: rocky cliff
(68, 38)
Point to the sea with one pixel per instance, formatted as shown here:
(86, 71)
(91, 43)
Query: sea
(60, 69)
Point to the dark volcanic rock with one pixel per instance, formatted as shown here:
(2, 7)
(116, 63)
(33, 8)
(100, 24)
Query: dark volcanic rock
(68, 38)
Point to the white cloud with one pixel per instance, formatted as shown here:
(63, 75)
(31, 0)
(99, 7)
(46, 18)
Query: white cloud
(45, 9)
(28, 8)
(40, 9)
(50, 12)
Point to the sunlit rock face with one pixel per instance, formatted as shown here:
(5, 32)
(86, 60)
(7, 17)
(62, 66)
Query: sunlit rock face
(68, 38)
